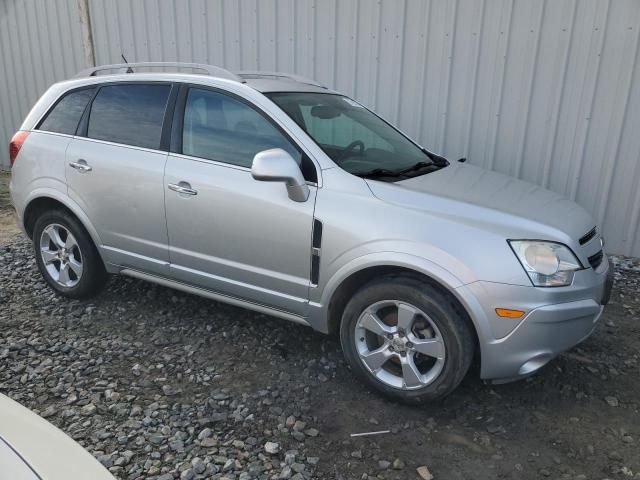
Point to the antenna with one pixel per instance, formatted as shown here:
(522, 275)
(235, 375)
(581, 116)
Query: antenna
(129, 69)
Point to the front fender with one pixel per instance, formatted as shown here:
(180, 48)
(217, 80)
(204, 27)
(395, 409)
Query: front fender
(319, 311)
(319, 307)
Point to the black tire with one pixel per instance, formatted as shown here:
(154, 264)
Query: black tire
(454, 326)
(94, 276)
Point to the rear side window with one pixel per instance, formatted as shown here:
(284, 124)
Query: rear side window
(65, 115)
(219, 127)
(131, 114)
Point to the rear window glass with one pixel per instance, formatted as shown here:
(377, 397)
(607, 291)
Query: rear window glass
(66, 114)
(129, 114)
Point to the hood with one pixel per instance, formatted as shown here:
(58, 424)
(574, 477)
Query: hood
(34, 449)
(485, 197)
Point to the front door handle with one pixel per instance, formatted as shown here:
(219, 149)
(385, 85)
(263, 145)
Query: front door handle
(81, 165)
(182, 187)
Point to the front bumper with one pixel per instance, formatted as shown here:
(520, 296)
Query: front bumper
(556, 320)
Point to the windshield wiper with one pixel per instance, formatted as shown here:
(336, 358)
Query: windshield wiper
(378, 172)
(416, 166)
(383, 172)
(437, 159)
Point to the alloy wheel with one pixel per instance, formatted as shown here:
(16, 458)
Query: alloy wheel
(61, 255)
(400, 344)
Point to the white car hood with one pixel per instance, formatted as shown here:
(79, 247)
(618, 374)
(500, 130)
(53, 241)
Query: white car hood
(12, 466)
(473, 192)
(49, 453)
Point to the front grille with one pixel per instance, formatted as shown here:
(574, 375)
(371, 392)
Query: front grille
(588, 236)
(596, 259)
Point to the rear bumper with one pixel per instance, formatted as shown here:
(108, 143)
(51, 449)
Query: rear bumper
(557, 319)
(15, 201)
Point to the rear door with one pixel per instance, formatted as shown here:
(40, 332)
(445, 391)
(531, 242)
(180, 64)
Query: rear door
(115, 168)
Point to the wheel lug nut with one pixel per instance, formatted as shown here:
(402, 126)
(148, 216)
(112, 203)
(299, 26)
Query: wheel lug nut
(390, 336)
(404, 354)
(409, 345)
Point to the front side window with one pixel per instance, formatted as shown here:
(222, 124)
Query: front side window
(219, 127)
(131, 114)
(354, 138)
(65, 115)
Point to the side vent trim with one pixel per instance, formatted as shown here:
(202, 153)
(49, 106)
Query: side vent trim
(317, 234)
(316, 243)
(315, 269)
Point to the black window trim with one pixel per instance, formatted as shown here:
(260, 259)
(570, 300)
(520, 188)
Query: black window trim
(83, 125)
(62, 96)
(178, 125)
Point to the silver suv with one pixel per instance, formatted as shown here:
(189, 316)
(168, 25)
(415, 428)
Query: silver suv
(272, 192)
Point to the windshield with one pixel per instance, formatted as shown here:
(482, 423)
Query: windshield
(356, 139)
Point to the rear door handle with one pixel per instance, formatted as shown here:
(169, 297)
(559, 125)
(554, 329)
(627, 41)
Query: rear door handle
(81, 165)
(182, 187)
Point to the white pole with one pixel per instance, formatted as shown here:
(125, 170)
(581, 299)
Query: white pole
(87, 37)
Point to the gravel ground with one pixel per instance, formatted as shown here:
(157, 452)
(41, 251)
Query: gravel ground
(4, 189)
(163, 385)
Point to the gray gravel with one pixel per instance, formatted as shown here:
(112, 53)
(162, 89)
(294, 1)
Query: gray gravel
(159, 393)
(162, 385)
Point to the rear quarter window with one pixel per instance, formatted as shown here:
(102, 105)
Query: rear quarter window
(66, 113)
(131, 114)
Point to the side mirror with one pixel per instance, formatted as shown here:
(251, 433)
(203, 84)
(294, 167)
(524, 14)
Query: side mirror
(276, 165)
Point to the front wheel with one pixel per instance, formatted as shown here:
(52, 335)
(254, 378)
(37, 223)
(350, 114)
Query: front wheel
(66, 255)
(406, 339)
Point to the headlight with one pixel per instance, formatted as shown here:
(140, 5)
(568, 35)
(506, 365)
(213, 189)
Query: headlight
(548, 264)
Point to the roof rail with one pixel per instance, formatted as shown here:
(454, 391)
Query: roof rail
(208, 69)
(290, 76)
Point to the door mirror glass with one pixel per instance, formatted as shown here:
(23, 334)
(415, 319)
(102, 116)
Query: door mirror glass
(276, 165)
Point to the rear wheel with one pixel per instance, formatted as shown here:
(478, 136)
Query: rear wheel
(406, 339)
(66, 255)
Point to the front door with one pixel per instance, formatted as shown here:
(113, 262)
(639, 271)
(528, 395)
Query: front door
(227, 231)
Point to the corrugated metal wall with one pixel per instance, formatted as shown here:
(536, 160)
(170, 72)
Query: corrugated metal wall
(548, 91)
(40, 43)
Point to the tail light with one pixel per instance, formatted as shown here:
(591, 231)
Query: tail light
(16, 144)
